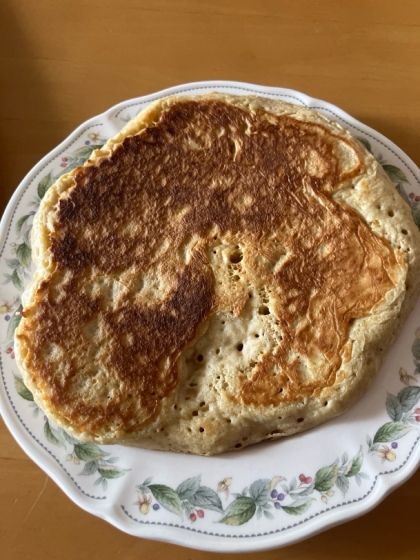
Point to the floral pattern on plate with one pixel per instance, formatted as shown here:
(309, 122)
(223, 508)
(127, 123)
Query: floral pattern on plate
(264, 497)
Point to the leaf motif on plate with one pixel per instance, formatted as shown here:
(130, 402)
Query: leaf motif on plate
(44, 185)
(188, 488)
(52, 435)
(241, 510)
(342, 483)
(356, 464)
(86, 151)
(416, 350)
(70, 439)
(394, 173)
(22, 389)
(206, 498)
(90, 468)
(391, 431)
(14, 264)
(408, 397)
(16, 280)
(297, 510)
(325, 478)
(23, 253)
(365, 143)
(260, 491)
(21, 223)
(110, 471)
(88, 452)
(167, 498)
(306, 492)
(393, 407)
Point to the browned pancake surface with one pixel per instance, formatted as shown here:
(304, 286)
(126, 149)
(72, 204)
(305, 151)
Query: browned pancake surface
(156, 208)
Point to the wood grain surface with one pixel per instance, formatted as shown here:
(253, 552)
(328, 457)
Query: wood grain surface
(64, 61)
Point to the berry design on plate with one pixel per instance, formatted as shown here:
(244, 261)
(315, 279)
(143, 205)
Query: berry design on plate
(191, 499)
(403, 413)
(305, 479)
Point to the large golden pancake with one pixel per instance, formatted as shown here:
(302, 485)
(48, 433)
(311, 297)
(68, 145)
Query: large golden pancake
(225, 270)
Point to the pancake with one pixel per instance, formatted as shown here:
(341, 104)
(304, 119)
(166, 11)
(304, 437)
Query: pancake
(226, 270)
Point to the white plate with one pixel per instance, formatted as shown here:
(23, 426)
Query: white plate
(344, 468)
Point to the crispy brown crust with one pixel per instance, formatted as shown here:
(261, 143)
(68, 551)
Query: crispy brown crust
(206, 170)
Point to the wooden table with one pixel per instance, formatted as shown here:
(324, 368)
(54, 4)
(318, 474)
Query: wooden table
(63, 61)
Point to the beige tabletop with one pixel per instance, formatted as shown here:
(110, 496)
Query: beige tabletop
(63, 61)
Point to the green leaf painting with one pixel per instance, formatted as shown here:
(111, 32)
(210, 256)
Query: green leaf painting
(241, 510)
(70, 439)
(356, 465)
(21, 223)
(167, 498)
(14, 264)
(393, 407)
(342, 483)
(188, 488)
(85, 151)
(110, 471)
(16, 280)
(298, 510)
(22, 389)
(88, 452)
(23, 253)
(306, 492)
(44, 185)
(394, 173)
(260, 491)
(408, 397)
(206, 498)
(391, 431)
(52, 435)
(91, 467)
(325, 478)
(365, 143)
